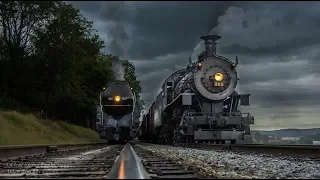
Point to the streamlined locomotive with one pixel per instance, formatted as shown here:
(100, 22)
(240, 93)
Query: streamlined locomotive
(118, 104)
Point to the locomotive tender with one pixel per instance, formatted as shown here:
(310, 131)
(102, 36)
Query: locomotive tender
(118, 105)
(199, 103)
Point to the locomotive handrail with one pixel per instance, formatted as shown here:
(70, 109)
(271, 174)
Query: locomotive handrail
(128, 166)
(212, 114)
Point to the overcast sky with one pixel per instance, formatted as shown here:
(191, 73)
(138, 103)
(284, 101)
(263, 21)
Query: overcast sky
(277, 43)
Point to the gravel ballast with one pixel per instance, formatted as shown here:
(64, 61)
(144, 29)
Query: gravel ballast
(226, 164)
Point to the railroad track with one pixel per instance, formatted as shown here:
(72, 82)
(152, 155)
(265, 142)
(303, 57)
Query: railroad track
(310, 151)
(93, 162)
(101, 161)
(90, 161)
(164, 168)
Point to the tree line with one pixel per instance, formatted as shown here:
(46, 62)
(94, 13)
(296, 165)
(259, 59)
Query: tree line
(51, 61)
(259, 137)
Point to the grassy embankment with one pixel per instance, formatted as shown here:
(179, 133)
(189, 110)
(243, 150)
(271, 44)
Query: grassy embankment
(22, 129)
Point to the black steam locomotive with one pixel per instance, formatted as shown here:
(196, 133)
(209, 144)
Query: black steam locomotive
(199, 103)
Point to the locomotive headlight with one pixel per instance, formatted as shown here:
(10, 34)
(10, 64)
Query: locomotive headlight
(218, 77)
(117, 98)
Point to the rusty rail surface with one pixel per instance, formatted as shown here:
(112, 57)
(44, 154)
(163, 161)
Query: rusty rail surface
(312, 151)
(16, 151)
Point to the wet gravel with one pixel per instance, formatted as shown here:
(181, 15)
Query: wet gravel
(223, 164)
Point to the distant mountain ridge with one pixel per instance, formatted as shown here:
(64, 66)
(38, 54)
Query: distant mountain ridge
(289, 132)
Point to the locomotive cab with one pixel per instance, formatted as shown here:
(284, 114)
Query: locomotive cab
(117, 100)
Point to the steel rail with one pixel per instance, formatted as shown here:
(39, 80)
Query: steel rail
(16, 151)
(128, 166)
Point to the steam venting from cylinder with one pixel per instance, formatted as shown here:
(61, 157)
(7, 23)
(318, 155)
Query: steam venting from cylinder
(210, 43)
(118, 69)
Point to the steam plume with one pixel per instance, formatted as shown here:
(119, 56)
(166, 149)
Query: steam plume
(118, 69)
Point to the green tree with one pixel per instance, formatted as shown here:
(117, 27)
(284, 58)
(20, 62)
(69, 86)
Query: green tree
(134, 83)
(74, 69)
(51, 59)
(19, 21)
(131, 78)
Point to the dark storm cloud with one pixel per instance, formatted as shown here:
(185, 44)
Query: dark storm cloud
(172, 27)
(289, 98)
(283, 97)
(275, 71)
(117, 11)
(119, 14)
(160, 28)
(152, 77)
(90, 7)
(271, 28)
(170, 62)
(151, 84)
(281, 49)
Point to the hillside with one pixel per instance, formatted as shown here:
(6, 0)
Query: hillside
(290, 132)
(21, 129)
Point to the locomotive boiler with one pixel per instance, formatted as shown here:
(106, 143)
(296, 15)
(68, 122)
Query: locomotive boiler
(199, 103)
(118, 105)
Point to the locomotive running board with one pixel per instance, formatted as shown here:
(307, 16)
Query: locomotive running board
(182, 99)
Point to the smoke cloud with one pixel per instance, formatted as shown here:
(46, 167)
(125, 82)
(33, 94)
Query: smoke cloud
(118, 69)
(121, 13)
(118, 44)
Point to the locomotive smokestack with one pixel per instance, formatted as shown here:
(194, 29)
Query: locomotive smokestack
(210, 43)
